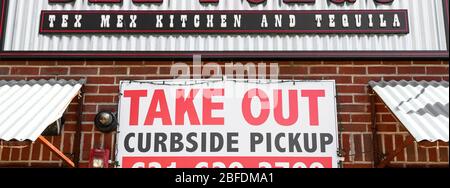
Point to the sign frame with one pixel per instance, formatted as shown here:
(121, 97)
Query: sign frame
(220, 54)
(179, 82)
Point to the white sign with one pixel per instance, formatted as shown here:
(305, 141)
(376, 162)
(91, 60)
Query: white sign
(227, 124)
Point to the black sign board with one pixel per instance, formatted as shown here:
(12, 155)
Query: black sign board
(228, 22)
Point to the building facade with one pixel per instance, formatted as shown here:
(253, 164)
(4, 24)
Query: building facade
(31, 55)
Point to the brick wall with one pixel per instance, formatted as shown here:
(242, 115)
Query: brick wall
(352, 89)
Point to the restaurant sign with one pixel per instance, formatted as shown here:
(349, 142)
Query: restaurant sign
(224, 28)
(227, 124)
(214, 22)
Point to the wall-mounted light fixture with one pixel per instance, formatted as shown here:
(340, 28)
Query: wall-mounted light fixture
(105, 121)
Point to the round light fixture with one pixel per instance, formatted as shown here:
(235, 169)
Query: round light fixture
(105, 121)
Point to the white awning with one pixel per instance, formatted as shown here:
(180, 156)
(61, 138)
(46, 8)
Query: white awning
(422, 107)
(27, 108)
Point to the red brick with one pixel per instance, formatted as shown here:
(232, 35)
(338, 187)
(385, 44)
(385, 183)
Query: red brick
(358, 147)
(344, 117)
(70, 126)
(13, 62)
(352, 70)
(54, 71)
(307, 62)
(99, 63)
(337, 62)
(402, 128)
(339, 79)
(37, 63)
(87, 142)
(351, 108)
(169, 62)
(374, 62)
(45, 151)
(107, 143)
(113, 70)
(388, 144)
(108, 89)
(4, 70)
(386, 127)
(441, 143)
(159, 77)
(397, 62)
(427, 78)
(361, 118)
(354, 127)
(40, 77)
(411, 70)
(120, 78)
(323, 70)
(99, 99)
(410, 153)
(351, 89)
(67, 144)
(86, 108)
(100, 80)
(15, 154)
(72, 77)
(368, 147)
(116, 99)
(36, 151)
(361, 98)
(365, 79)
(24, 70)
(346, 146)
(97, 140)
(344, 99)
(422, 62)
(437, 70)
(12, 77)
(380, 108)
(57, 143)
(70, 117)
(388, 118)
(293, 70)
(399, 140)
(422, 153)
(382, 70)
(70, 62)
(4, 154)
(166, 70)
(83, 70)
(395, 77)
(432, 154)
(143, 70)
(112, 108)
(306, 77)
(25, 153)
(90, 89)
(89, 127)
(443, 154)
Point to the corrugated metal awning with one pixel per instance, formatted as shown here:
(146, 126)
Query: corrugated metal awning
(27, 108)
(422, 107)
